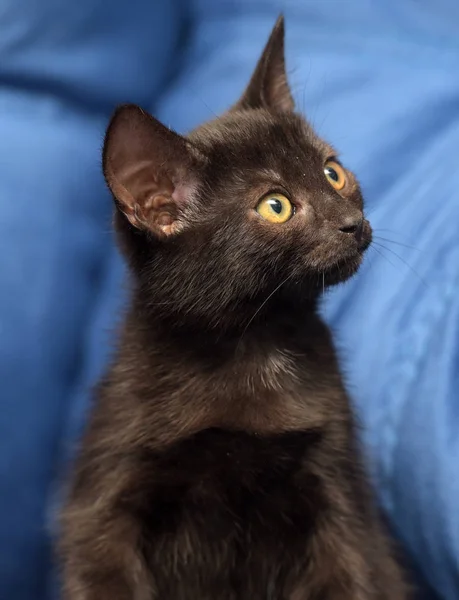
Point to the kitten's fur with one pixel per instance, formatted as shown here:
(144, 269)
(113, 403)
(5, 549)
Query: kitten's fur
(220, 462)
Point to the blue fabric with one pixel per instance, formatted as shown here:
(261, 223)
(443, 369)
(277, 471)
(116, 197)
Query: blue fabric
(378, 79)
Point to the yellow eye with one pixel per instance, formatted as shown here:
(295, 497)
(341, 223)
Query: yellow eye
(275, 208)
(335, 174)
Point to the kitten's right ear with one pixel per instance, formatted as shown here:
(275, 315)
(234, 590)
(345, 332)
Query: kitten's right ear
(268, 86)
(150, 170)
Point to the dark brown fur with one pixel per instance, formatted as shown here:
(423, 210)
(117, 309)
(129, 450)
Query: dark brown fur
(220, 462)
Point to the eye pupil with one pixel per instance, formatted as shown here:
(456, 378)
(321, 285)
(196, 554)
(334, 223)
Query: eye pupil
(275, 208)
(276, 205)
(332, 174)
(335, 175)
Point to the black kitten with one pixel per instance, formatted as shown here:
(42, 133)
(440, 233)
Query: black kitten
(220, 463)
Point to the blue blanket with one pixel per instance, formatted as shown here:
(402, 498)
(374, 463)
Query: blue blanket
(380, 79)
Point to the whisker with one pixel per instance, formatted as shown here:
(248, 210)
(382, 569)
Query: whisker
(260, 307)
(378, 237)
(371, 262)
(421, 279)
(389, 230)
(200, 98)
(382, 255)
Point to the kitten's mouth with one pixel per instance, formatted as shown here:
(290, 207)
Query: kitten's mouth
(365, 240)
(346, 266)
(364, 245)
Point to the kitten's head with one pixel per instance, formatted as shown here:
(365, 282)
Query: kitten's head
(250, 204)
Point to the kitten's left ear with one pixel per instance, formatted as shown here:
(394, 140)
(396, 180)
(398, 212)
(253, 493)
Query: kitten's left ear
(150, 170)
(268, 87)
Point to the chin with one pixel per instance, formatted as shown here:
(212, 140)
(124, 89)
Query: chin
(343, 269)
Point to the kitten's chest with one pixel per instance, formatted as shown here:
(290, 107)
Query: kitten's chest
(223, 505)
(244, 472)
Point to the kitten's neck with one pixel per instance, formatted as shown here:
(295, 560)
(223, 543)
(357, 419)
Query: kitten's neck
(279, 375)
(264, 354)
(274, 325)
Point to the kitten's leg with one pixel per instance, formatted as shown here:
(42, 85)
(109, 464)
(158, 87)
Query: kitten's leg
(102, 559)
(348, 573)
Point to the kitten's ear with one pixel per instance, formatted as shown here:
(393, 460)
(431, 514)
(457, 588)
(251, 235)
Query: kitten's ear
(268, 87)
(149, 169)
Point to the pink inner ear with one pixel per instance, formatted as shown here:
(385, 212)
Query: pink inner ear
(146, 165)
(151, 202)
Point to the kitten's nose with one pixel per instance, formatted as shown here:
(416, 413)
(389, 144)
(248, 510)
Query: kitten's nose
(353, 225)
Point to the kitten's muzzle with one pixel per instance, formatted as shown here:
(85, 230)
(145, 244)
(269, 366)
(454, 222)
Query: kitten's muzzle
(354, 226)
(360, 229)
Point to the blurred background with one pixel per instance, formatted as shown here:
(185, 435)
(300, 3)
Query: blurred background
(377, 78)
